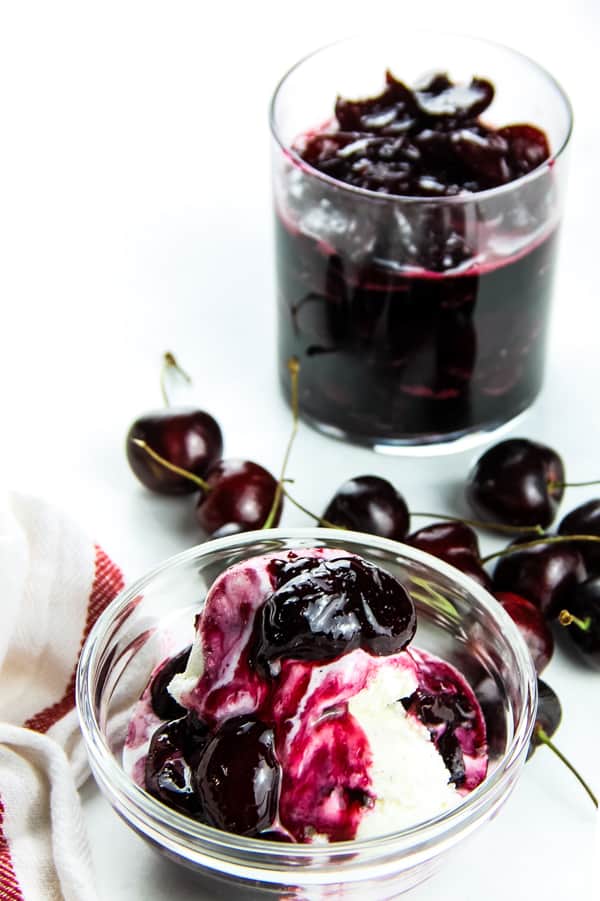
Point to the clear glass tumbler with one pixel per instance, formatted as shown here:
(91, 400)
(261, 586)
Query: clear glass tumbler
(400, 343)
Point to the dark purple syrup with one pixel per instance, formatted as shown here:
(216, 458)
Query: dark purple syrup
(420, 319)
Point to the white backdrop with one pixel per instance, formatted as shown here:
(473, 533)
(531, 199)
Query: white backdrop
(135, 217)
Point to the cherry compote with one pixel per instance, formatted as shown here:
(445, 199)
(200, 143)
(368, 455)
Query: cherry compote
(237, 777)
(169, 774)
(321, 609)
(416, 300)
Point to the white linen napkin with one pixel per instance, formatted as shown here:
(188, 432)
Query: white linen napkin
(54, 582)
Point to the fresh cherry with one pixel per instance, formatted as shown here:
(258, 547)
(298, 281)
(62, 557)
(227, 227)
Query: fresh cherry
(186, 437)
(237, 777)
(547, 718)
(191, 439)
(544, 572)
(321, 609)
(585, 520)
(238, 497)
(547, 721)
(456, 543)
(517, 483)
(164, 705)
(369, 504)
(581, 618)
(532, 626)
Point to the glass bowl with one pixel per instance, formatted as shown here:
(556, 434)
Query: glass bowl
(154, 618)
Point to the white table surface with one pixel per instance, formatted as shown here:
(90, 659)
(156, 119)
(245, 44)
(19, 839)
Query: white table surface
(135, 218)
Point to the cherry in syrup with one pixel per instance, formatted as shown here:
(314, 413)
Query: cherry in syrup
(321, 609)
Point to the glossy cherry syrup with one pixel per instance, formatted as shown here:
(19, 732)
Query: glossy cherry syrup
(321, 609)
(402, 325)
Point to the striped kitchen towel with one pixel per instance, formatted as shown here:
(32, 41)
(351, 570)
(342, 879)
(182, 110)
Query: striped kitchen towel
(54, 584)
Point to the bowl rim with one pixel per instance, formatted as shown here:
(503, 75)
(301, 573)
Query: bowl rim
(474, 197)
(119, 785)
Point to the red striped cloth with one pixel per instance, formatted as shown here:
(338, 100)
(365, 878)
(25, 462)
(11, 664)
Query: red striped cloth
(55, 582)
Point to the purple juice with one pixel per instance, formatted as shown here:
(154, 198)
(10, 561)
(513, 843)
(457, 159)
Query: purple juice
(415, 248)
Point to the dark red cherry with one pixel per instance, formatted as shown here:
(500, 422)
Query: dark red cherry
(457, 544)
(185, 437)
(585, 520)
(321, 609)
(164, 705)
(237, 777)
(528, 147)
(548, 716)
(442, 98)
(517, 483)
(169, 763)
(547, 721)
(581, 619)
(369, 504)
(240, 497)
(546, 574)
(532, 626)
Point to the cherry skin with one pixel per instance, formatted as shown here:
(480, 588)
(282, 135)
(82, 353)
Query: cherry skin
(532, 626)
(456, 543)
(239, 498)
(369, 504)
(169, 764)
(582, 624)
(545, 574)
(237, 777)
(585, 520)
(517, 483)
(548, 715)
(188, 438)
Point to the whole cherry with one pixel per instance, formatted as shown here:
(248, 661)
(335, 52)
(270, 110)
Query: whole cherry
(517, 483)
(184, 436)
(369, 504)
(585, 520)
(544, 572)
(547, 721)
(532, 626)
(456, 543)
(238, 496)
(581, 619)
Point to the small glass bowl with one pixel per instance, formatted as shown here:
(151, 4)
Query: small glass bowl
(154, 618)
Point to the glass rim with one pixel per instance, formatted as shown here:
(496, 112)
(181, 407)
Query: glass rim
(149, 811)
(473, 197)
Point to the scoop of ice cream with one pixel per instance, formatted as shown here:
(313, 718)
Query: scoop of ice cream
(306, 717)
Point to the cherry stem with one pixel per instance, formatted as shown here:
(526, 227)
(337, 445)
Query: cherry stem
(319, 519)
(552, 539)
(481, 524)
(171, 466)
(294, 368)
(169, 362)
(553, 485)
(545, 740)
(566, 618)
